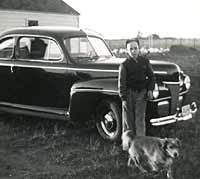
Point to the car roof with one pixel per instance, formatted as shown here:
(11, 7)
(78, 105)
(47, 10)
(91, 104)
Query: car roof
(53, 31)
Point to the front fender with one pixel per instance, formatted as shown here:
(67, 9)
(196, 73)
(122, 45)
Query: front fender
(86, 95)
(106, 86)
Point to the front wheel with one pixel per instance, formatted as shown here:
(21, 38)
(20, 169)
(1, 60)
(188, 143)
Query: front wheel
(109, 121)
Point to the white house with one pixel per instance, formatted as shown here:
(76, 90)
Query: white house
(62, 15)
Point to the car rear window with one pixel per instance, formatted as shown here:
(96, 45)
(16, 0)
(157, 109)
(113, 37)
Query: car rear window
(6, 47)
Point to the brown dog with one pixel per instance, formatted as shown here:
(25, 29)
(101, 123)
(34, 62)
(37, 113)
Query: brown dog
(151, 153)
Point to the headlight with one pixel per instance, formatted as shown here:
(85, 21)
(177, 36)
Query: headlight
(187, 82)
(156, 91)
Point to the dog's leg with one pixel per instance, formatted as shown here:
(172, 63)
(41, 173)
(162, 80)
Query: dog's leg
(132, 159)
(129, 161)
(138, 163)
(170, 173)
(153, 166)
(142, 169)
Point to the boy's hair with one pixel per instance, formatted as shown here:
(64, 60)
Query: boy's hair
(133, 40)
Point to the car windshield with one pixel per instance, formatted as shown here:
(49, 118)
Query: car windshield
(86, 49)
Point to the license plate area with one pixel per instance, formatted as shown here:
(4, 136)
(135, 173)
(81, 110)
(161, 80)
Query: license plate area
(186, 110)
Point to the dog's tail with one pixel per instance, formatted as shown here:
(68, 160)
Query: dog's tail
(127, 138)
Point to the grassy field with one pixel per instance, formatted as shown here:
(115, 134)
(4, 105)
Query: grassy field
(33, 148)
(43, 149)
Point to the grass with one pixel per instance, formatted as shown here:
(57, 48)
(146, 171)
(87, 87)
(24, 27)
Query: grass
(40, 149)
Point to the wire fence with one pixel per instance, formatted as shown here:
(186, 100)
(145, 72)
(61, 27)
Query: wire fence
(157, 43)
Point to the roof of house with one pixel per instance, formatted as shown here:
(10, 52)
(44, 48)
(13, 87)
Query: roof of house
(54, 6)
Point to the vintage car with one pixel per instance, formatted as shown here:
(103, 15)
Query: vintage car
(71, 74)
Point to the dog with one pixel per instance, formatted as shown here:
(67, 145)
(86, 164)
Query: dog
(151, 153)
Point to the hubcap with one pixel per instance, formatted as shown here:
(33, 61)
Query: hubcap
(109, 124)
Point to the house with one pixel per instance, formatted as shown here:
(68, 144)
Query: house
(20, 13)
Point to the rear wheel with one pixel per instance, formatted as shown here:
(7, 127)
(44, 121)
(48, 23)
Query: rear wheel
(109, 123)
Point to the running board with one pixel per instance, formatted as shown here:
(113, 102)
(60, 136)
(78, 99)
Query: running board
(54, 113)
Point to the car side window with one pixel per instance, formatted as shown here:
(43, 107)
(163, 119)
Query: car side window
(80, 49)
(7, 47)
(38, 49)
(54, 52)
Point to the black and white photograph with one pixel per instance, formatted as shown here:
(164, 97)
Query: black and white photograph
(99, 89)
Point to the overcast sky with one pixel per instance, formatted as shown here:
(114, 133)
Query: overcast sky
(124, 18)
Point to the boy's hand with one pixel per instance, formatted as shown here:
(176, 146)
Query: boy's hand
(149, 95)
(124, 105)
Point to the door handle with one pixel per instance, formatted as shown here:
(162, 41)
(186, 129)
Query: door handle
(11, 68)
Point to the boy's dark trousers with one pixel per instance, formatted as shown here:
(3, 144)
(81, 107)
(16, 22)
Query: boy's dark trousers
(134, 117)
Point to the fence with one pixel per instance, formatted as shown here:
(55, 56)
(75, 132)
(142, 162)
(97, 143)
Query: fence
(157, 43)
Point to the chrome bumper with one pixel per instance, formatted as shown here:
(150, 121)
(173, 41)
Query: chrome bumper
(176, 117)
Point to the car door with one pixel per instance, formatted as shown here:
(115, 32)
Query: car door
(40, 69)
(6, 65)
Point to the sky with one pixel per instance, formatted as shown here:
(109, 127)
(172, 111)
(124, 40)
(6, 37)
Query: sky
(118, 19)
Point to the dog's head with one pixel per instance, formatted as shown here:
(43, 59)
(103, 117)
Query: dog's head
(172, 146)
(127, 137)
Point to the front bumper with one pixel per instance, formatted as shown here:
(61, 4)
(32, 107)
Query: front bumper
(178, 116)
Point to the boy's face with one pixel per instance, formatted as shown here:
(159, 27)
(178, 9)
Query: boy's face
(133, 49)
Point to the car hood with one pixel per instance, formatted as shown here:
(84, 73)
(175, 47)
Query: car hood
(164, 71)
(111, 60)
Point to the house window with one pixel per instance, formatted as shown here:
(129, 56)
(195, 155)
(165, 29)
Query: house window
(33, 23)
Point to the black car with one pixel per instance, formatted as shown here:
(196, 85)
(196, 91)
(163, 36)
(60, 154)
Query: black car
(67, 73)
